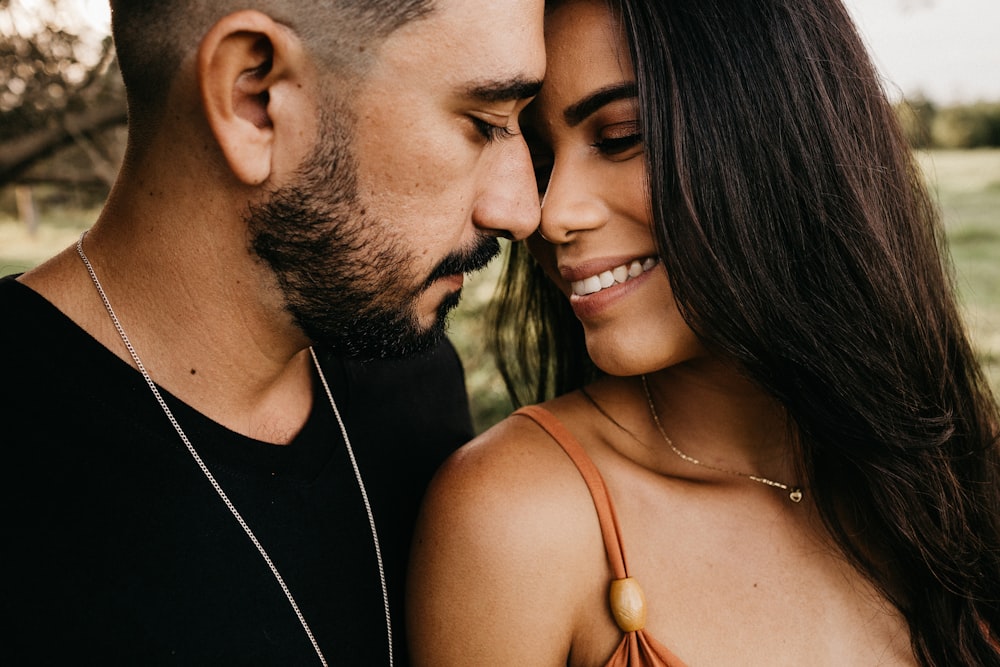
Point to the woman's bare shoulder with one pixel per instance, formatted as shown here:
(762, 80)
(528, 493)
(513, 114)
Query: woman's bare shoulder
(507, 546)
(514, 470)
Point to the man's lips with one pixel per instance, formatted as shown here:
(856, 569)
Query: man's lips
(459, 263)
(455, 280)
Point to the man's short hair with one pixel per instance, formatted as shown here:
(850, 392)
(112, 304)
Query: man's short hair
(153, 38)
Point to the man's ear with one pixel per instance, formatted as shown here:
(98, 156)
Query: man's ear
(244, 61)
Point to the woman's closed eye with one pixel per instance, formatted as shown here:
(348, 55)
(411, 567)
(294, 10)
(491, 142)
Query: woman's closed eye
(619, 139)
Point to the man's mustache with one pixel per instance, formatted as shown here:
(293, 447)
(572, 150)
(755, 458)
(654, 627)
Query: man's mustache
(467, 261)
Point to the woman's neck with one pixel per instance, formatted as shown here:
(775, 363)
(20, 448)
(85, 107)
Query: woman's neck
(709, 413)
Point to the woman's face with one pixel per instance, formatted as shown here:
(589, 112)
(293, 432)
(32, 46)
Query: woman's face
(595, 239)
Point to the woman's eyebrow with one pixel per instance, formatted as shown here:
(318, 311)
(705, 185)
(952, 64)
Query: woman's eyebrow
(576, 113)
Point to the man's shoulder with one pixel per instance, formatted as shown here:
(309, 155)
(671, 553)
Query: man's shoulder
(10, 289)
(19, 301)
(25, 314)
(41, 347)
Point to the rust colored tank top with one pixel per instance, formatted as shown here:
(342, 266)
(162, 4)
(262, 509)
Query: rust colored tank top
(637, 648)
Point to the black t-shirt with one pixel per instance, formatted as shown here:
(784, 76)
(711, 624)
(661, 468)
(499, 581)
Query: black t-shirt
(119, 551)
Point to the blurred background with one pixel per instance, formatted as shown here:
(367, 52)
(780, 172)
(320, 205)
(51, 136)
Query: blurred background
(62, 132)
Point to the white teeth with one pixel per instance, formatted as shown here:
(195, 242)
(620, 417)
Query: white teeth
(588, 286)
(615, 276)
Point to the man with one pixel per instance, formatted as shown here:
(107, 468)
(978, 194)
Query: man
(185, 485)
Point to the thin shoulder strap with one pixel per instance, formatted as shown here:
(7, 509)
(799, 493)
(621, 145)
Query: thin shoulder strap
(598, 491)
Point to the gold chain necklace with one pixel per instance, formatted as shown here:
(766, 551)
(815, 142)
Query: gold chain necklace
(222, 494)
(794, 492)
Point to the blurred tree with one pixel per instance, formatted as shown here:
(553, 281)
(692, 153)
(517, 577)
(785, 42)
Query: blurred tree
(967, 126)
(59, 87)
(915, 117)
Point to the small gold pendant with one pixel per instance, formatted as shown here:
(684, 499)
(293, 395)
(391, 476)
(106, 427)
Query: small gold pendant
(796, 495)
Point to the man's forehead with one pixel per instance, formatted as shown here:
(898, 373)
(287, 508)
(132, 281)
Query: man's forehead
(463, 51)
(508, 35)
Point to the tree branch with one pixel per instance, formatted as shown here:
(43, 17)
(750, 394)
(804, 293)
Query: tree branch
(18, 154)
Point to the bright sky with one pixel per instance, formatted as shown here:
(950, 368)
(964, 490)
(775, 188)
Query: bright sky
(949, 50)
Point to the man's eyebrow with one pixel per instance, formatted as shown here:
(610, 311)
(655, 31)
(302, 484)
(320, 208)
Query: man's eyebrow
(504, 90)
(577, 113)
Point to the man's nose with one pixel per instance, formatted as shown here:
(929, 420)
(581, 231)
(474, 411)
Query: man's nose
(508, 204)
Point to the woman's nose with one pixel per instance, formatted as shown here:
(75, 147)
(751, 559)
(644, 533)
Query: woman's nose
(571, 203)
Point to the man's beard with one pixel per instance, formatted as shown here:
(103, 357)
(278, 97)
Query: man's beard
(344, 273)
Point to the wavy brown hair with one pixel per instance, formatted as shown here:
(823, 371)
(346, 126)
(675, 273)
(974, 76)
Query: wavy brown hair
(802, 243)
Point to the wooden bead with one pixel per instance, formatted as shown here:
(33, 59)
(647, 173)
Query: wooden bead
(628, 604)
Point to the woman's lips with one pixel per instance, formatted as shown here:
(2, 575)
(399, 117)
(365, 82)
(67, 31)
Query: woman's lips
(611, 277)
(593, 290)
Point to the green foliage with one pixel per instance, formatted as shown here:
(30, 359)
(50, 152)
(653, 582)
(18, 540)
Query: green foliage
(48, 69)
(59, 86)
(952, 127)
(974, 126)
(915, 117)
(467, 330)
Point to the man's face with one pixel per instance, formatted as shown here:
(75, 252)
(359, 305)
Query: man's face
(343, 287)
(411, 181)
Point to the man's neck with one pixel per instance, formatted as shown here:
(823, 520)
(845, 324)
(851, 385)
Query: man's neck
(198, 323)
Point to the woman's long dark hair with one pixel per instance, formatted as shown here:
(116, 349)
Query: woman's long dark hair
(801, 242)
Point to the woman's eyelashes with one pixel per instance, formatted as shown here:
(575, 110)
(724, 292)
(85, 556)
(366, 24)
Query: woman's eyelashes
(618, 139)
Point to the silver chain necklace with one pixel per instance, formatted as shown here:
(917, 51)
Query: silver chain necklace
(222, 494)
(794, 492)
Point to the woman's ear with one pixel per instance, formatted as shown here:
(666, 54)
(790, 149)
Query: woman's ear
(243, 62)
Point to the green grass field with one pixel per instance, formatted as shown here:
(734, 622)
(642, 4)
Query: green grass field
(966, 184)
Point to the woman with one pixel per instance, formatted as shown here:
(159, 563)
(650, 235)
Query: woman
(759, 364)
